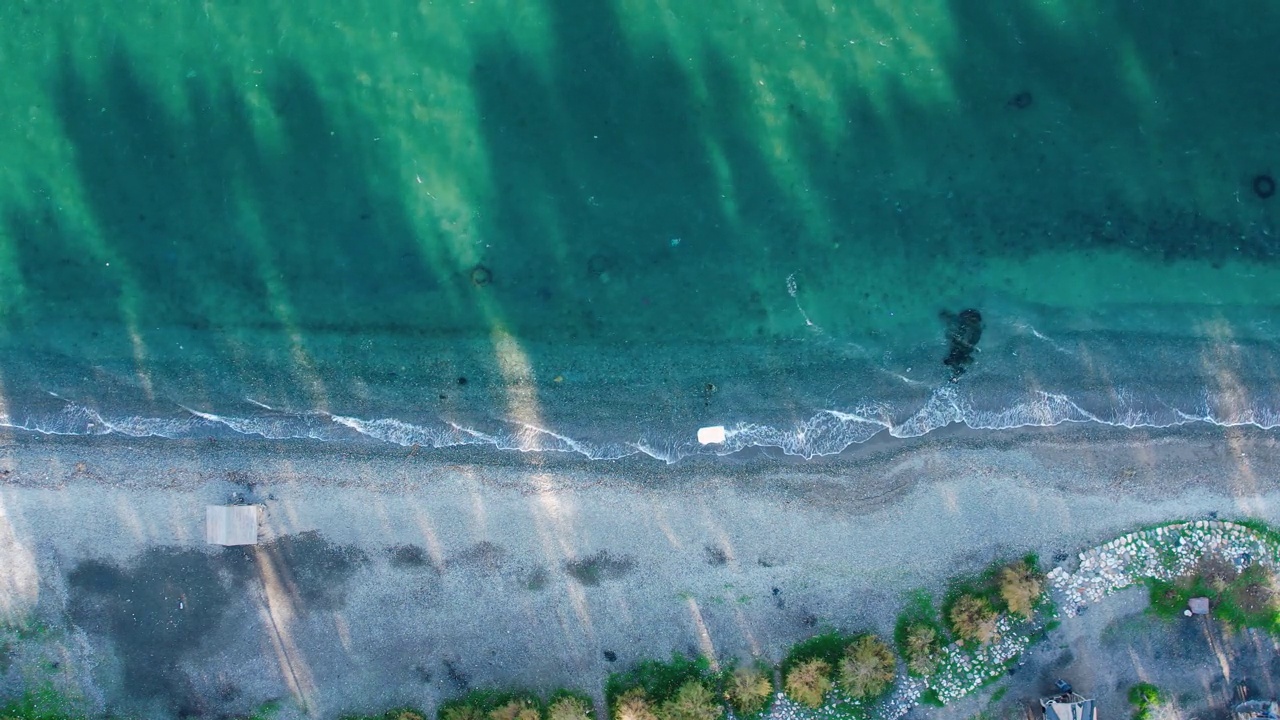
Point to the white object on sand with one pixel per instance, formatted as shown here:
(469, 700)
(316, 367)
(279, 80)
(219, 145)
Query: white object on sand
(231, 524)
(711, 435)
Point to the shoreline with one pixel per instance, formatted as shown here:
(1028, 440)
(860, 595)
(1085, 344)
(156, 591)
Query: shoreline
(196, 460)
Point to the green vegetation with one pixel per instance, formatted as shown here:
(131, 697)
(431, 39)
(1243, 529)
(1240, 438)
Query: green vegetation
(268, 710)
(569, 705)
(1240, 599)
(693, 701)
(828, 647)
(1144, 697)
(867, 668)
(919, 634)
(973, 619)
(972, 606)
(748, 689)
(808, 682)
(41, 704)
(489, 705)
(1020, 588)
(807, 670)
(678, 689)
(1267, 532)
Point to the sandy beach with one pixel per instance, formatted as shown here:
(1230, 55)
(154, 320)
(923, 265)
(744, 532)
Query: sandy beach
(393, 579)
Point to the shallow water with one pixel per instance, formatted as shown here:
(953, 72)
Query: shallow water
(597, 226)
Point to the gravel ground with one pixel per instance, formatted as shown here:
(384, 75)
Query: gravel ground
(395, 579)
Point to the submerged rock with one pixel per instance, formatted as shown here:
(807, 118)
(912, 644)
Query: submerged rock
(963, 333)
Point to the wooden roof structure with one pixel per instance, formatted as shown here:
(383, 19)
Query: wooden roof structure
(231, 524)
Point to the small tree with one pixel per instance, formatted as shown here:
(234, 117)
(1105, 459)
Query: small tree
(808, 682)
(569, 708)
(519, 709)
(867, 667)
(634, 705)
(693, 701)
(749, 690)
(1020, 587)
(972, 618)
(921, 648)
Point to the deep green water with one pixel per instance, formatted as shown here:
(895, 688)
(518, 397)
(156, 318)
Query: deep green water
(619, 221)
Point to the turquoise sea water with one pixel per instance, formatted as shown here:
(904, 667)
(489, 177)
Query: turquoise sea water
(595, 227)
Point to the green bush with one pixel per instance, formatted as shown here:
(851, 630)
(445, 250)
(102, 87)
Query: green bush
(633, 705)
(492, 705)
(921, 649)
(748, 689)
(568, 705)
(973, 618)
(867, 668)
(1020, 588)
(658, 681)
(516, 709)
(919, 634)
(1144, 697)
(693, 701)
(808, 682)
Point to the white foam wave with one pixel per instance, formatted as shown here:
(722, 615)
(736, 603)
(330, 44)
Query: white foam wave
(825, 432)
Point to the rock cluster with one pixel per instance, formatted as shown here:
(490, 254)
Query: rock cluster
(1160, 553)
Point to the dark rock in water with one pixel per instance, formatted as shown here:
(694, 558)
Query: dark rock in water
(963, 333)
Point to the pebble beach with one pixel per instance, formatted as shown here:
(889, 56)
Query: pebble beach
(390, 580)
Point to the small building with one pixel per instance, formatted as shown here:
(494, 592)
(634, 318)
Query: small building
(231, 524)
(1069, 706)
(1198, 605)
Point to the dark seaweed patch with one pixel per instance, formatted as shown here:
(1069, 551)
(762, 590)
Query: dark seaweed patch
(594, 569)
(963, 333)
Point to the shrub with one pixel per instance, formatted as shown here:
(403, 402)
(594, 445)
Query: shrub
(660, 681)
(921, 646)
(634, 705)
(490, 705)
(919, 634)
(517, 709)
(748, 690)
(1144, 697)
(1020, 587)
(569, 707)
(462, 712)
(693, 701)
(867, 667)
(808, 682)
(972, 618)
